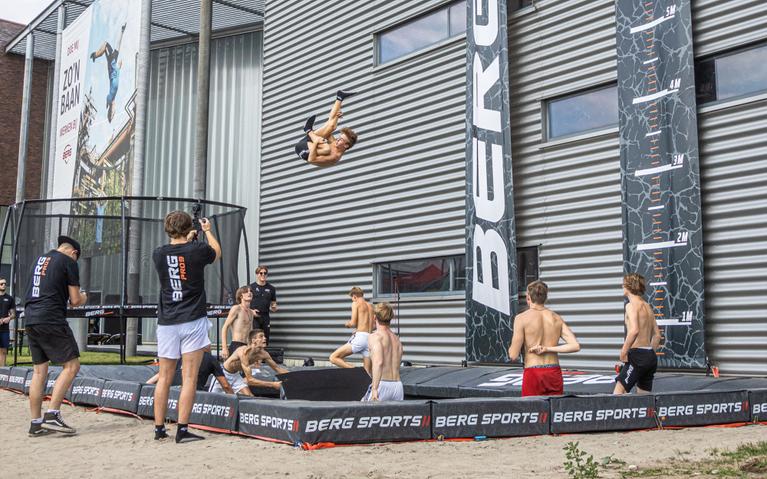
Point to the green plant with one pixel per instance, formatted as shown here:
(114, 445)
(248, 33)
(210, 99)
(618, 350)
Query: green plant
(578, 464)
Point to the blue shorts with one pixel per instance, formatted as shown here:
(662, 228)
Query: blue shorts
(5, 339)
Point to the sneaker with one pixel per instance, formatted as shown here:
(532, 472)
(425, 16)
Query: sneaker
(52, 421)
(309, 125)
(36, 430)
(342, 95)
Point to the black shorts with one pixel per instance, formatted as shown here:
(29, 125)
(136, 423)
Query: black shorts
(51, 342)
(234, 345)
(639, 370)
(302, 148)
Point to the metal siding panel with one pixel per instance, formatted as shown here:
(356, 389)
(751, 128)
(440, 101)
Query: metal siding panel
(400, 191)
(733, 175)
(567, 192)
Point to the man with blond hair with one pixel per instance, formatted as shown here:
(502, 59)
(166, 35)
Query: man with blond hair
(244, 360)
(539, 330)
(362, 322)
(240, 320)
(386, 355)
(642, 340)
(319, 147)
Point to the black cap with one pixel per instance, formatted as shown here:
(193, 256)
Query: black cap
(66, 239)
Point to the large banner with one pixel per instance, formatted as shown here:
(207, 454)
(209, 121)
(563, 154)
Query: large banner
(659, 166)
(491, 271)
(96, 113)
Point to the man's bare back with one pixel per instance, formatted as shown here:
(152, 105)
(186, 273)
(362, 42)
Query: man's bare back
(541, 328)
(386, 349)
(363, 312)
(645, 322)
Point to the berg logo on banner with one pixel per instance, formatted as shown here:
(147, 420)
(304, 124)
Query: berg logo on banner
(687, 410)
(568, 377)
(759, 409)
(67, 155)
(117, 395)
(271, 422)
(366, 422)
(589, 415)
(212, 410)
(490, 419)
(487, 122)
(86, 390)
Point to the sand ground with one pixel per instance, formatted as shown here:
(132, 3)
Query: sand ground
(110, 445)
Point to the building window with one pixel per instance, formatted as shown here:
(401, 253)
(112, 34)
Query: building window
(421, 32)
(581, 112)
(427, 276)
(527, 268)
(518, 4)
(734, 74)
(444, 275)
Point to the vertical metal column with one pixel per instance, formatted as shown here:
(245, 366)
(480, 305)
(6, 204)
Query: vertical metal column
(137, 175)
(203, 97)
(53, 136)
(26, 99)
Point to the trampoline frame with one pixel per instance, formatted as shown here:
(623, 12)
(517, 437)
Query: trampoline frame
(14, 219)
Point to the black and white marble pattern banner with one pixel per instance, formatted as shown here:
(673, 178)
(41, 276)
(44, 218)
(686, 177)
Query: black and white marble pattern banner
(491, 270)
(659, 167)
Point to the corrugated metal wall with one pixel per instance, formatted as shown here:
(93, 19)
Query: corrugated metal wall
(568, 191)
(234, 143)
(733, 137)
(398, 193)
(235, 121)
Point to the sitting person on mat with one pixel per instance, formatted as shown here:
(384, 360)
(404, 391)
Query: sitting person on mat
(240, 319)
(319, 147)
(386, 355)
(538, 329)
(244, 359)
(209, 366)
(642, 340)
(362, 322)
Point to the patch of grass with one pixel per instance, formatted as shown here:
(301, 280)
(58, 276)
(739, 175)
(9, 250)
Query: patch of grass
(746, 461)
(580, 465)
(86, 357)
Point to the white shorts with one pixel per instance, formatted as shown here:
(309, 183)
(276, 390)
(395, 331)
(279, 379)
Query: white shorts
(173, 340)
(359, 342)
(387, 391)
(235, 380)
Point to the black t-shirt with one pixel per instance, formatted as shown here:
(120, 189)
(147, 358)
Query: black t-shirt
(6, 305)
(48, 289)
(262, 300)
(208, 366)
(181, 269)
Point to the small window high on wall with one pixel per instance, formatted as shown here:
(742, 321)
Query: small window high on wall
(730, 75)
(581, 112)
(421, 32)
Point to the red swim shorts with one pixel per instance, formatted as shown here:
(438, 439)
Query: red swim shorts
(542, 381)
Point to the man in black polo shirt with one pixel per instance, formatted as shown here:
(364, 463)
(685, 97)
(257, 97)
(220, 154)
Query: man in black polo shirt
(7, 312)
(182, 321)
(264, 300)
(55, 279)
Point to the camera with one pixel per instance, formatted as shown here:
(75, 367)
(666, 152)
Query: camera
(196, 215)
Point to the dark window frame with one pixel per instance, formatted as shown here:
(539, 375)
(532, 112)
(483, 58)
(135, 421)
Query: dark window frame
(711, 59)
(447, 6)
(454, 275)
(546, 114)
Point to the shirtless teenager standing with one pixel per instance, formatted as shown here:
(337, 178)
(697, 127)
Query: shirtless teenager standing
(539, 329)
(244, 359)
(240, 319)
(386, 355)
(362, 322)
(642, 340)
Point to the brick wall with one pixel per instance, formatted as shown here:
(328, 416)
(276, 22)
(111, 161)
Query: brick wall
(12, 74)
